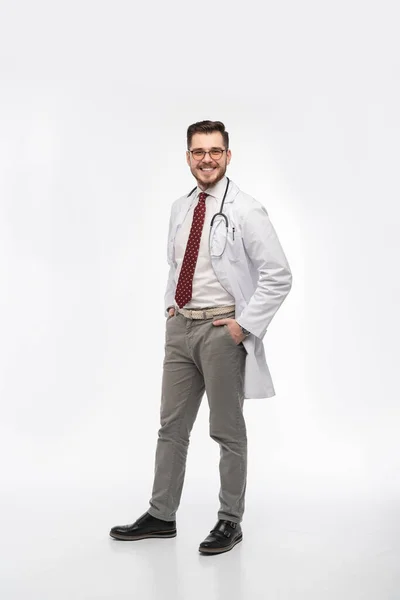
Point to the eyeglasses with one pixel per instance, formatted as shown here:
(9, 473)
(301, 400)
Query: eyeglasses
(215, 153)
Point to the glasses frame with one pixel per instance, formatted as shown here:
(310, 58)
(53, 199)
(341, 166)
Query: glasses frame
(207, 152)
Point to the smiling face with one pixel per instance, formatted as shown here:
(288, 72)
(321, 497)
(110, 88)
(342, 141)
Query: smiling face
(207, 171)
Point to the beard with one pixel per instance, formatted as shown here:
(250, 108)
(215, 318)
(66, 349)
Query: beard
(206, 179)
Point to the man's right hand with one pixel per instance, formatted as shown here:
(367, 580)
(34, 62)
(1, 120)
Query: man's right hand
(171, 312)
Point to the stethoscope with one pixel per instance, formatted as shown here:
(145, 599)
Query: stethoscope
(220, 213)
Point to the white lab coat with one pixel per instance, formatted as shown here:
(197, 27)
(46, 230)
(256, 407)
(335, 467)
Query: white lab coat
(253, 269)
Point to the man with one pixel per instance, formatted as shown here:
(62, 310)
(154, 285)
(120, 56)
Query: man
(225, 283)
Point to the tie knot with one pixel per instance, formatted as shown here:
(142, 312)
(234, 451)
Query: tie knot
(202, 196)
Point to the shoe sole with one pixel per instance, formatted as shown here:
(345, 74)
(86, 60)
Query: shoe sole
(219, 550)
(154, 534)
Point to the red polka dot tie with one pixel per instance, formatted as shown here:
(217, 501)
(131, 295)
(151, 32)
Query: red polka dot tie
(184, 287)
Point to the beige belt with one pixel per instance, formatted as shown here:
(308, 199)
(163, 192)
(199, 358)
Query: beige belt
(205, 313)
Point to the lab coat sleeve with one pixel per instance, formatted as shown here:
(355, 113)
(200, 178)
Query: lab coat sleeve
(274, 276)
(169, 296)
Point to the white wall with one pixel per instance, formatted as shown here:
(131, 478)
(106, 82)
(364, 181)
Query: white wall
(95, 100)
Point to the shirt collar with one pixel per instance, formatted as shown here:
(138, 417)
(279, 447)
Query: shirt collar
(217, 190)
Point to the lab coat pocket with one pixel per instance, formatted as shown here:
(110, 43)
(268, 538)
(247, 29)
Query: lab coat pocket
(233, 244)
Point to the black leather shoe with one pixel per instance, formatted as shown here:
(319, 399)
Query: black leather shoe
(146, 526)
(222, 538)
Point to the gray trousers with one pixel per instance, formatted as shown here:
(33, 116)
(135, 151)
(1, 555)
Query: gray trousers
(201, 357)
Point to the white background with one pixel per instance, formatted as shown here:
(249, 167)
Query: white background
(95, 100)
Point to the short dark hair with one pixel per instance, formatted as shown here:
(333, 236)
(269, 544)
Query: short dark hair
(207, 127)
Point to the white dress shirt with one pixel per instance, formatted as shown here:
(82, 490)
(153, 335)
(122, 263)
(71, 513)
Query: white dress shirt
(207, 291)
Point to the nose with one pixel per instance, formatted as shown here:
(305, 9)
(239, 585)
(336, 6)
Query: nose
(207, 160)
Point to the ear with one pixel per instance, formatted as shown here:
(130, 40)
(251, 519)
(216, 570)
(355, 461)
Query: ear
(228, 156)
(188, 157)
